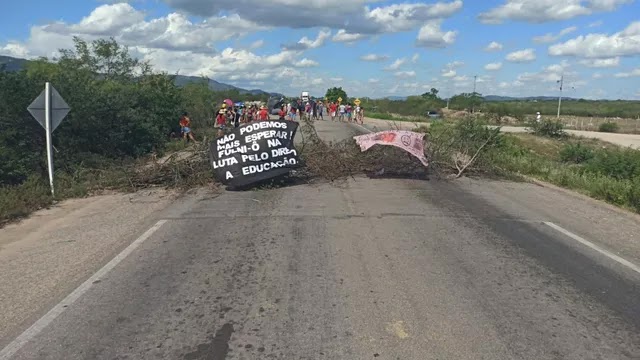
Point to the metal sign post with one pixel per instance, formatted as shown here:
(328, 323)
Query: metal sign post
(49, 108)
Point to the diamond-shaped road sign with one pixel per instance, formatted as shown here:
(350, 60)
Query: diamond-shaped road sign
(59, 109)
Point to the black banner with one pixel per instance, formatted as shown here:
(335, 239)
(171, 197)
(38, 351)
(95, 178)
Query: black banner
(255, 152)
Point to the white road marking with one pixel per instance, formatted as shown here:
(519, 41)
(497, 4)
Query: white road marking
(595, 247)
(57, 310)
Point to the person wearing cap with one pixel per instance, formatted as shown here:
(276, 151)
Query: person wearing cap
(221, 121)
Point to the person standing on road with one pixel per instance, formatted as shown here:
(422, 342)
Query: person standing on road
(320, 110)
(282, 113)
(342, 109)
(332, 110)
(263, 114)
(361, 115)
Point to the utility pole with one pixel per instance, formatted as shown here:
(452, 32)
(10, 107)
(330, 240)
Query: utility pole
(561, 81)
(473, 95)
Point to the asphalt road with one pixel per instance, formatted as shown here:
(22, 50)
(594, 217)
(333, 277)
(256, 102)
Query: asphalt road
(361, 269)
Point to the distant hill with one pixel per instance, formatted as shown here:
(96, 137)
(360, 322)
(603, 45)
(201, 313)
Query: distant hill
(528, 98)
(16, 64)
(11, 63)
(396, 98)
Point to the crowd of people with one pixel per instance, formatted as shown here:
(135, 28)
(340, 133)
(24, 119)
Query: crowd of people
(315, 110)
(231, 115)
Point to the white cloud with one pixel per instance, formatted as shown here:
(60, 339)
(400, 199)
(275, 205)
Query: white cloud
(336, 79)
(632, 73)
(129, 27)
(374, 81)
(623, 43)
(596, 24)
(306, 63)
(549, 37)
(354, 16)
(306, 43)
(374, 57)
(107, 19)
(601, 63)
(455, 64)
(15, 50)
(493, 46)
(597, 75)
(415, 58)
(493, 66)
(448, 73)
(343, 36)
(541, 11)
(317, 81)
(405, 74)
(549, 74)
(521, 56)
(404, 17)
(396, 64)
(257, 44)
(432, 36)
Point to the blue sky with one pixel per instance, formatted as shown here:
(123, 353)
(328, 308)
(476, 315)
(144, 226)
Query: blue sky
(313, 45)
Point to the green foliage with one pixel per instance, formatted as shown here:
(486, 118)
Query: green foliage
(465, 145)
(382, 116)
(334, 93)
(612, 175)
(497, 110)
(547, 128)
(576, 153)
(516, 108)
(466, 101)
(609, 127)
(120, 110)
(615, 163)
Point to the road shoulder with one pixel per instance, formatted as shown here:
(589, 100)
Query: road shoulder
(43, 257)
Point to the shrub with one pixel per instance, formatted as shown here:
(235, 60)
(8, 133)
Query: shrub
(609, 127)
(614, 163)
(547, 128)
(576, 153)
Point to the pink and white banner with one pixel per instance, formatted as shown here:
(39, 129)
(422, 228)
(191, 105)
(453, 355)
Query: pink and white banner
(410, 141)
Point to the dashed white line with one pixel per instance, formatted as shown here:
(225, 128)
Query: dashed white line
(48, 318)
(595, 247)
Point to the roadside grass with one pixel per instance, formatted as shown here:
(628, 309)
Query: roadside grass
(98, 175)
(604, 172)
(386, 116)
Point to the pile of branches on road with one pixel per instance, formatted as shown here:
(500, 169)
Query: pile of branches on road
(453, 150)
(186, 169)
(342, 159)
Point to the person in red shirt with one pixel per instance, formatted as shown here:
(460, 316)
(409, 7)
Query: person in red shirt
(332, 109)
(282, 113)
(263, 114)
(221, 122)
(185, 124)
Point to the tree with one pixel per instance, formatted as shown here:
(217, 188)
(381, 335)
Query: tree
(432, 94)
(466, 101)
(334, 93)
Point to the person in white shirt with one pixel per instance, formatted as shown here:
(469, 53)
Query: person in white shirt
(342, 110)
(538, 116)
